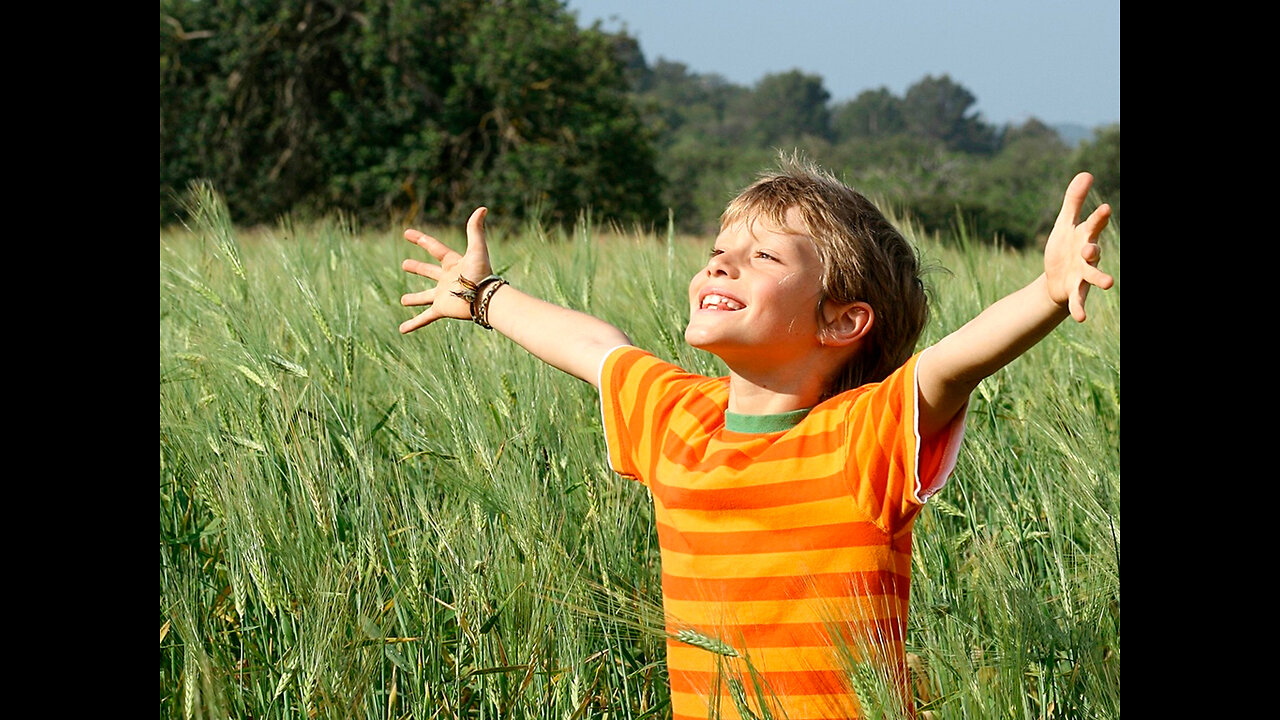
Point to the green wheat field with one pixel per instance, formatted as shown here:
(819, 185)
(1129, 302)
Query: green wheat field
(359, 524)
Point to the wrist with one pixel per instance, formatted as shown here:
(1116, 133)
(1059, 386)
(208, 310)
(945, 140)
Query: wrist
(1055, 305)
(485, 290)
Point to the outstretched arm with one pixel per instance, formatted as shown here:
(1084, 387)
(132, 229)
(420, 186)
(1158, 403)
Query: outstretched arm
(952, 368)
(566, 339)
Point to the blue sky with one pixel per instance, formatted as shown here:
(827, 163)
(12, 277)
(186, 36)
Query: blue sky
(1058, 61)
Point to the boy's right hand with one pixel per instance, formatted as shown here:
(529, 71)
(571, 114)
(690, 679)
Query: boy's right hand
(565, 339)
(440, 300)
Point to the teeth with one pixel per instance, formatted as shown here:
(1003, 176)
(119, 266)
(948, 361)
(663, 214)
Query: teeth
(720, 302)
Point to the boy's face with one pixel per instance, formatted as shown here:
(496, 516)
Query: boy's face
(757, 298)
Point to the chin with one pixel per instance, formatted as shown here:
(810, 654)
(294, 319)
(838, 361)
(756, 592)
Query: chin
(694, 340)
(706, 344)
(691, 338)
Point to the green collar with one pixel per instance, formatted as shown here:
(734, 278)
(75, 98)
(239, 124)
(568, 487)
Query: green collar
(758, 424)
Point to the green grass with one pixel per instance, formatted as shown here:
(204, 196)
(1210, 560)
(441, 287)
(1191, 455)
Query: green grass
(359, 524)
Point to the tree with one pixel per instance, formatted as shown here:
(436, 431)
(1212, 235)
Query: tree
(938, 108)
(873, 114)
(1020, 184)
(684, 104)
(1033, 131)
(1101, 157)
(786, 106)
(397, 107)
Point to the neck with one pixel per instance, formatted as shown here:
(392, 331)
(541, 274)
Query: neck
(780, 381)
(771, 392)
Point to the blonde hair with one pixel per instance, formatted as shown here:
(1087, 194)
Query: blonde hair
(863, 258)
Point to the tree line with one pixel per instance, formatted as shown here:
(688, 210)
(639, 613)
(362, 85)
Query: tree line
(928, 152)
(398, 108)
(418, 111)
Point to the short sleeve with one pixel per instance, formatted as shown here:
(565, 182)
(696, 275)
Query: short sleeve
(892, 471)
(638, 394)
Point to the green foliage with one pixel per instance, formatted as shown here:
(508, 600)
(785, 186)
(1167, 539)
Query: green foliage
(927, 153)
(682, 105)
(1101, 156)
(939, 108)
(404, 112)
(358, 524)
(399, 110)
(873, 114)
(1022, 185)
(1012, 196)
(1016, 594)
(787, 106)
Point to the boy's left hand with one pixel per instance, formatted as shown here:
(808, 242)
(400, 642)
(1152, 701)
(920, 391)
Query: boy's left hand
(1071, 254)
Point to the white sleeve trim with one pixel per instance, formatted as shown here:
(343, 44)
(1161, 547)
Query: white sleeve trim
(600, 388)
(926, 487)
(604, 359)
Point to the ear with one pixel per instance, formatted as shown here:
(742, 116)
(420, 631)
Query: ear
(844, 325)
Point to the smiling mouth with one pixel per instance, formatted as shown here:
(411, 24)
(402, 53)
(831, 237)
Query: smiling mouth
(712, 301)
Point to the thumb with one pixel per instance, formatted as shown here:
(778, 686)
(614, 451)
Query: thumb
(1074, 199)
(476, 246)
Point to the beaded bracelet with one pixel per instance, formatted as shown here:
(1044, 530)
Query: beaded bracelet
(484, 293)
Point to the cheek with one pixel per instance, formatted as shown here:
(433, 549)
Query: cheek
(792, 290)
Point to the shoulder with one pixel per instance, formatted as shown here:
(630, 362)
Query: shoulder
(627, 364)
(642, 396)
(874, 411)
(899, 386)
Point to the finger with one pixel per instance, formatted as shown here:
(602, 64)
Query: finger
(425, 269)
(1076, 302)
(438, 250)
(1097, 278)
(476, 245)
(1074, 199)
(1091, 253)
(1097, 221)
(422, 319)
(424, 297)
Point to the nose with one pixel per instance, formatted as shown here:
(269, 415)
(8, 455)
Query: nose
(721, 264)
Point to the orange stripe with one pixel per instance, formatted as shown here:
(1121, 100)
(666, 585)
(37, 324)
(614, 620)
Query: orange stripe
(808, 446)
(794, 562)
(686, 706)
(689, 706)
(884, 634)
(621, 452)
(814, 537)
(750, 497)
(814, 610)
(708, 409)
(814, 440)
(832, 510)
(689, 658)
(695, 659)
(797, 682)
(825, 585)
(643, 391)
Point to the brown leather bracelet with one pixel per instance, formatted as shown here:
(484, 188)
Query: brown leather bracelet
(484, 293)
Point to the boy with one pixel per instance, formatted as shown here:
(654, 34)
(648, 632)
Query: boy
(784, 493)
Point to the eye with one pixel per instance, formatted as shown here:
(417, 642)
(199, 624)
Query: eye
(764, 255)
(716, 251)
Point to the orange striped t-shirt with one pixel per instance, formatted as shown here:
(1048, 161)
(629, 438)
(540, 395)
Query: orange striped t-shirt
(787, 547)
